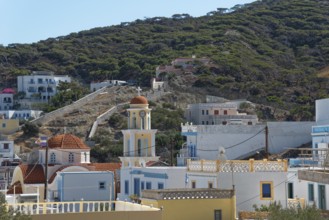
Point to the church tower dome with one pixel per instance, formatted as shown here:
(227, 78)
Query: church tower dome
(138, 100)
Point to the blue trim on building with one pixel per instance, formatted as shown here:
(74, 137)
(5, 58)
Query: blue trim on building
(320, 129)
(150, 175)
(189, 133)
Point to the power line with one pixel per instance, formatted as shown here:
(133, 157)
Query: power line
(254, 197)
(235, 144)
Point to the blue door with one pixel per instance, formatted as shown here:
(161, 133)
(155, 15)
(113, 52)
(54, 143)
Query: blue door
(322, 197)
(137, 187)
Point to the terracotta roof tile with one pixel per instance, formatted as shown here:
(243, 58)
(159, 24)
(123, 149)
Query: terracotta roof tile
(157, 164)
(32, 173)
(18, 188)
(66, 141)
(106, 166)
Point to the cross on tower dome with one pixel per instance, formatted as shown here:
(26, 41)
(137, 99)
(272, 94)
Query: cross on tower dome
(139, 90)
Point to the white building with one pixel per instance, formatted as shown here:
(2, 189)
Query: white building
(98, 85)
(40, 85)
(7, 99)
(8, 161)
(218, 114)
(157, 85)
(313, 181)
(256, 182)
(6, 150)
(136, 179)
(97, 186)
(21, 114)
(239, 141)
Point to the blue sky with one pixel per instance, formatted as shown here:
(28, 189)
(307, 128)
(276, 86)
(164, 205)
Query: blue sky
(27, 21)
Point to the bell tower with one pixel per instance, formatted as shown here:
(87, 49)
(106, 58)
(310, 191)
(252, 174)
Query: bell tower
(139, 138)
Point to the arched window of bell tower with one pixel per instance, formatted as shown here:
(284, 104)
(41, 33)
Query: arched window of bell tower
(134, 122)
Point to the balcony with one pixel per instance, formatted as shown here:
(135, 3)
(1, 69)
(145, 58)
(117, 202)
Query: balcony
(240, 166)
(32, 90)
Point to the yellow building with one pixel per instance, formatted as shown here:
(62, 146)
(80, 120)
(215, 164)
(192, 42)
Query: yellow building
(9, 126)
(139, 138)
(192, 204)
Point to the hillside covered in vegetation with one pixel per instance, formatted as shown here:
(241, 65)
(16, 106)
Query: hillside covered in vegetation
(272, 52)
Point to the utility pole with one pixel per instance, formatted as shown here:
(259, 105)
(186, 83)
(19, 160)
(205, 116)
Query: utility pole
(45, 144)
(266, 141)
(171, 153)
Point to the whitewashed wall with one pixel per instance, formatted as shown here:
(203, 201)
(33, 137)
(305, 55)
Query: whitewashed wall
(321, 112)
(247, 186)
(74, 186)
(282, 135)
(174, 178)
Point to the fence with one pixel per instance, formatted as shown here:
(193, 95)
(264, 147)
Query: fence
(77, 207)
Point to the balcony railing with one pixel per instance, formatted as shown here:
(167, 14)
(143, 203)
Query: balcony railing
(174, 194)
(77, 207)
(242, 166)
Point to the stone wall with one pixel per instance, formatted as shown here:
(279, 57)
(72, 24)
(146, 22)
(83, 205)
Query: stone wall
(67, 109)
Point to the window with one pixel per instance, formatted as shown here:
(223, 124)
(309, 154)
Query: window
(207, 122)
(142, 185)
(160, 186)
(225, 112)
(3, 125)
(148, 185)
(71, 157)
(203, 122)
(126, 187)
(5, 146)
(266, 189)
(290, 191)
(311, 192)
(134, 122)
(207, 112)
(210, 185)
(102, 185)
(216, 112)
(249, 123)
(143, 123)
(53, 158)
(202, 112)
(193, 183)
(218, 215)
(139, 147)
